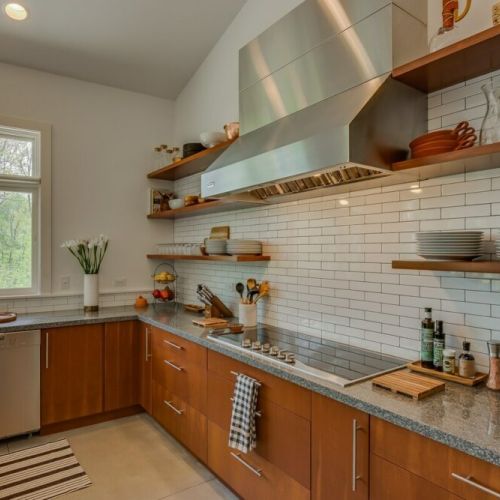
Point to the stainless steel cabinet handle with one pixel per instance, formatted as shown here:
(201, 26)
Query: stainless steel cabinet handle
(46, 350)
(148, 354)
(171, 344)
(236, 374)
(173, 408)
(355, 429)
(173, 365)
(471, 482)
(257, 472)
(258, 413)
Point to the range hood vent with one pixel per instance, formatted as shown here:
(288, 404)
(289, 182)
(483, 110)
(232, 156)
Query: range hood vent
(318, 107)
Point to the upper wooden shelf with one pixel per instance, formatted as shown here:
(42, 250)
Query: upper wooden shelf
(466, 59)
(190, 165)
(218, 258)
(479, 157)
(478, 266)
(208, 207)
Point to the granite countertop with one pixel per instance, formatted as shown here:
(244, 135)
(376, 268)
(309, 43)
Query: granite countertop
(462, 417)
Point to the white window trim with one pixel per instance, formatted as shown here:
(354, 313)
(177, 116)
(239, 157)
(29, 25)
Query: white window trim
(40, 185)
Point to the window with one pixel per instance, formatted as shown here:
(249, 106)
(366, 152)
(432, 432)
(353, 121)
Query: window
(23, 219)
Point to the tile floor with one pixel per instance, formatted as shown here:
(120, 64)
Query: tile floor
(133, 459)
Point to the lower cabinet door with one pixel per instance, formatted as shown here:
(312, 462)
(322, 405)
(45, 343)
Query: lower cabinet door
(182, 421)
(340, 451)
(251, 476)
(390, 482)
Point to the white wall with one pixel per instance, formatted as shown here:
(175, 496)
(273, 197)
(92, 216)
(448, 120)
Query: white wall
(101, 151)
(210, 99)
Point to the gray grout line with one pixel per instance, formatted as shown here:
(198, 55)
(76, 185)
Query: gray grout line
(186, 489)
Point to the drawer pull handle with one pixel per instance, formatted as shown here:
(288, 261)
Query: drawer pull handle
(173, 365)
(471, 482)
(355, 476)
(257, 472)
(171, 344)
(258, 413)
(236, 374)
(172, 407)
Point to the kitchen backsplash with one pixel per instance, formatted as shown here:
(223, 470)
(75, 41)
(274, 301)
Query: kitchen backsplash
(331, 272)
(62, 302)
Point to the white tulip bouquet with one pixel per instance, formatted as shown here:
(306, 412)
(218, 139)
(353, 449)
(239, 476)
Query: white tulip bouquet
(89, 253)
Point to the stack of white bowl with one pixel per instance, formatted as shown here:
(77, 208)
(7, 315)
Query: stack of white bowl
(215, 247)
(450, 245)
(244, 247)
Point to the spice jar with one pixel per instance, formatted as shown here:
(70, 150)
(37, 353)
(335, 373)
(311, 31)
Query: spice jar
(449, 360)
(494, 376)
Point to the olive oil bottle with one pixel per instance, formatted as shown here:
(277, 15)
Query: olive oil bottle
(427, 340)
(438, 347)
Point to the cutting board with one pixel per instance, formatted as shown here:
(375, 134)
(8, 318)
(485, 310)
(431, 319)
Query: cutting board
(5, 317)
(210, 322)
(409, 384)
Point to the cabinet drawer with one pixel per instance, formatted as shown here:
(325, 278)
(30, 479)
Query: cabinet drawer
(434, 461)
(250, 475)
(285, 394)
(181, 420)
(182, 372)
(390, 482)
(177, 349)
(283, 438)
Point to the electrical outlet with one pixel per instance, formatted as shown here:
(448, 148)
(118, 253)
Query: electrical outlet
(65, 282)
(120, 282)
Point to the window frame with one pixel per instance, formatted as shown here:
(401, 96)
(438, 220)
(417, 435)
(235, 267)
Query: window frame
(39, 185)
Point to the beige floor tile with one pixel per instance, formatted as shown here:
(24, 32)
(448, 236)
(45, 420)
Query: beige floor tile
(128, 459)
(210, 490)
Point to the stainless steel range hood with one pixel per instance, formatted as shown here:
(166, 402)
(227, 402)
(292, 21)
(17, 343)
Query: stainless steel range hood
(318, 107)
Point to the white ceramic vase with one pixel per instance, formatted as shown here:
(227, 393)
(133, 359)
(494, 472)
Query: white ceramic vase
(248, 315)
(90, 292)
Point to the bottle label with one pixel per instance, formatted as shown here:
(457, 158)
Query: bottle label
(427, 345)
(438, 353)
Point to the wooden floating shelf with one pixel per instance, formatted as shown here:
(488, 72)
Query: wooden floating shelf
(190, 165)
(203, 208)
(467, 266)
(474, 56)
(217, 258)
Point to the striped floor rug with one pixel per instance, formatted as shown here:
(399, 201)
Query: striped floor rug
(41, 472)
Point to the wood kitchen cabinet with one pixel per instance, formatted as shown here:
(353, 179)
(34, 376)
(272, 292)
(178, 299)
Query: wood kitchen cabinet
(340, 450)
(145, 367)
(420, 459)
(121, 370)
(72, 372)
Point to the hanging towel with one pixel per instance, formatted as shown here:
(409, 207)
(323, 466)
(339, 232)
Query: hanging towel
(242, 433)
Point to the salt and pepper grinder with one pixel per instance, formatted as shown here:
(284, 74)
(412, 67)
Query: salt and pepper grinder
(493, 381)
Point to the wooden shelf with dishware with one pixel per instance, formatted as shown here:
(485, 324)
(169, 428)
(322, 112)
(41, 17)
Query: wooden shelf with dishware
(206, 207)
(467, 266)
(474, 56)
(190, 165)
(217, 258)
(474, 158)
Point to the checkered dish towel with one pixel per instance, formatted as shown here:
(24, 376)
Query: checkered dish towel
(242, 433)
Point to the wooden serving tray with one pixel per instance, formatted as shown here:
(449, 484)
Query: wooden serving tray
(210, 322)
(416, 366)
(409, 384)
(6, 317)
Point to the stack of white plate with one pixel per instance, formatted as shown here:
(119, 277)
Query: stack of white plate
(450, 245)
(215, 247)
(244, 247)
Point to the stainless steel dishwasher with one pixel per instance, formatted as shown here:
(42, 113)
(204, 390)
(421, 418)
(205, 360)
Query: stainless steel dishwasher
(20, 383)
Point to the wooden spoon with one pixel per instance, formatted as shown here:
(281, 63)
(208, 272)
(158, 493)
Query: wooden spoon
(251, 284)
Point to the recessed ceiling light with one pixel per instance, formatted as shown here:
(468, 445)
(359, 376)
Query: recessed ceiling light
(16, 11)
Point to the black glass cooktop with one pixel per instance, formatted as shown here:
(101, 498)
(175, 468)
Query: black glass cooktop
(340, 363)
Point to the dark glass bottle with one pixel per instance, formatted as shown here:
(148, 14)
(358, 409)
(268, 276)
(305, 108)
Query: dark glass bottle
(427, 339)
(438, 346)
(466, 362)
